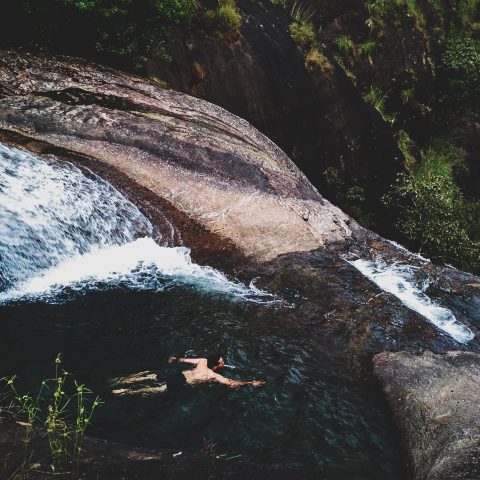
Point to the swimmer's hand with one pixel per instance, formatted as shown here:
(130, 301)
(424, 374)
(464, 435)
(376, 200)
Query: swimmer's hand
(254, 383)
(172, 359)
(258, 383)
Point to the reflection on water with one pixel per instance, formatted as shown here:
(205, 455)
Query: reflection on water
(312, 411)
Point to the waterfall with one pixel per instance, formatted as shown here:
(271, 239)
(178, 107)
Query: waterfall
(409, 284)
(66, 230)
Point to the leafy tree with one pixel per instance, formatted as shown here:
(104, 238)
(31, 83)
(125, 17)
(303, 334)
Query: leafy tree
(434, 215)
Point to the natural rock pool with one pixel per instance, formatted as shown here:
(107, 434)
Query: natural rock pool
(84, 273)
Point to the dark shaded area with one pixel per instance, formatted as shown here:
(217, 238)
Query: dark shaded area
(316, 410)
(111, 461)
(123, 33)
(319, 118)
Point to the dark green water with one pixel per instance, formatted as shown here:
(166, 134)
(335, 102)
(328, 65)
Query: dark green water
(312, 412)
(77, 278)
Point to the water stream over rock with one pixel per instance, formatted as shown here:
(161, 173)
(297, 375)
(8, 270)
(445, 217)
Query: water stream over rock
(408, 283)
(65, 230)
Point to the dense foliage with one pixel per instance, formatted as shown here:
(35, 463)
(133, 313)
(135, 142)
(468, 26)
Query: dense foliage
(428, 101)
(433, 213)
(460, 68)
(126, 32)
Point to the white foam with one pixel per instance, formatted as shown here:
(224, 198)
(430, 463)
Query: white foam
(409, 284)
(63, 230)
(138, 265)
(51, 211)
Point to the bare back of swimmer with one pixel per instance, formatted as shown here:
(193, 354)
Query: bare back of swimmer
(204, 371)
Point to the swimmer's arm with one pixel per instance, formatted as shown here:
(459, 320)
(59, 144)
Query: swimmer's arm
(235, 383)
(193, 361)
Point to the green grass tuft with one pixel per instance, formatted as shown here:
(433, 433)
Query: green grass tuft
(225, 21)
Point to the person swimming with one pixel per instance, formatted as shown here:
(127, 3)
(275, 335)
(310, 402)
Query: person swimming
(204, 371)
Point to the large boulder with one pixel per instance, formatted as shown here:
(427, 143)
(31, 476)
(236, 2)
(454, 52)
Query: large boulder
(435, 400)
(217, 184)
(212, 166)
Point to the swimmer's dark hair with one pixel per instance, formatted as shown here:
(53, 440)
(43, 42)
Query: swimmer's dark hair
(213, 359)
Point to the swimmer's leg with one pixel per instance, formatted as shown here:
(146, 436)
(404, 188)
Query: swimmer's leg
(135, 378)
(161, 388)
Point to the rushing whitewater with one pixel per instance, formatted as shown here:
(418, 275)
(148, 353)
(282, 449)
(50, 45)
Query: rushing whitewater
(50, 211)
(408, 284)
(64, 231)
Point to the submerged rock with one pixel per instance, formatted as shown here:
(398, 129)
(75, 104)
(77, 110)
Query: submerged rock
(435, 400)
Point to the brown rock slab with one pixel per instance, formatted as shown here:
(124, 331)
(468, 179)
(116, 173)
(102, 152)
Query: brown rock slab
(435, 400)
(209, 164)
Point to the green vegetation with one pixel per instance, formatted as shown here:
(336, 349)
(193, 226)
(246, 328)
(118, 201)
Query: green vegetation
(465, 13)
(303, 35)
(462, 59)
(301, 13)
(316, 60)
(125, 32)
(405, 144)
(352, 198)
(367, 48)
(407, 95)
(433, 213)
(61, 409)
(378, 99)
(395, 11)
(301, 29)
(345, 45)
(225, 21)
(460, 67)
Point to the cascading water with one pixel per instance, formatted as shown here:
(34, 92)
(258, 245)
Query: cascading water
(63, 230)
(405, 283)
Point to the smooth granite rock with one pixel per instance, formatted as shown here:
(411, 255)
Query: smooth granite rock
(436, 403)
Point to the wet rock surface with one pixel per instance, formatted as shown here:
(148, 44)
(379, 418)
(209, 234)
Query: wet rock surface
(209, 180)
(317, 116)
(435, 399)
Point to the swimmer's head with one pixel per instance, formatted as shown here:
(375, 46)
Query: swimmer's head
(215, 361)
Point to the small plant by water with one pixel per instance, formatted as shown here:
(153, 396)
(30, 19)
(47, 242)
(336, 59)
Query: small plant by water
(61, 410)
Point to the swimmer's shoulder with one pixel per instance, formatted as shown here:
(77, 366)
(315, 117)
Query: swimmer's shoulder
(202, 364)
